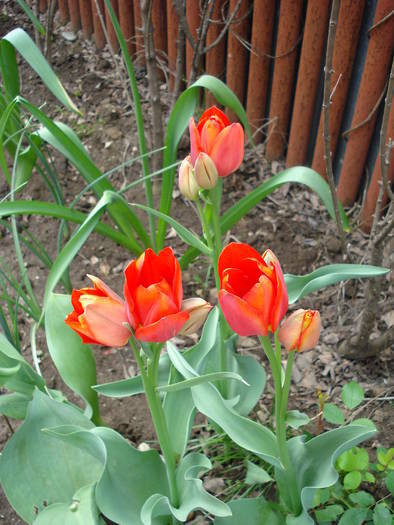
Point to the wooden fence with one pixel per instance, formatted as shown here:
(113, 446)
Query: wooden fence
(273, 59)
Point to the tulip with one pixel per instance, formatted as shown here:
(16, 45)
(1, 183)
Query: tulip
(188, 185)
(218, 138)
(301, 330)
(252, 294)
(198, 310)
(153, 294)
(99, 315)
(205, 172)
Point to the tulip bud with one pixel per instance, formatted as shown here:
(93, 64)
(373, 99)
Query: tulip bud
(301, 330)
(198, 309)
(187, 180)
(206, 172)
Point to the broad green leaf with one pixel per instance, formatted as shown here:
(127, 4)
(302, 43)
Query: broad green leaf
(177, 124)
(73, 359)
(25, 162)
(9, 70)
(49, 471)
(333, 414)
(363, 421)
(389, 481)
(256, 474)
(33, 56)
(352, 395)
(299, 286)
(243, 431)
(50, 209)
(354, 459)
(14, 405)
(188, 237)
(252, 511)
(382, 515)
(354, 516)
(329, 513)
(296, 419)
(192, 495)
(80, 510)
(362, 498)
(352, 480)
(200, 380)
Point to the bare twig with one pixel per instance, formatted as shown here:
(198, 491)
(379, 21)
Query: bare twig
(230, 20)
(206, 15)
(326, 118)
(9, 424)
(49, 31)
(179, 64)
(180, 7)
(36, 31)
(380, 22)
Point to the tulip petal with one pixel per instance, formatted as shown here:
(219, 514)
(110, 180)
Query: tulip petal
(289, 332)
(104, 288)
(154, 302)
(213, 113)
(163, 330)
(233, 253)
(228, 150)
(310, 335)
(241, 317)
(208, 134)
(195, 142)
(74, 321)
(260, 297)
(104, 320)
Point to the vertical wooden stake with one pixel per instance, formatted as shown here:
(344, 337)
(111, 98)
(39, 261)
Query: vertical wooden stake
(86, 18)
(126, 21)
(113, 40)
(215, 59)
(172, 33)
(99, 36)
(73, 8)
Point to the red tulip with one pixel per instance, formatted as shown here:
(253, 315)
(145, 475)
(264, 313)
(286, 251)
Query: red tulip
(301, 330)
(218, 138)
(99, 315)
(253, 294)
(153, 293)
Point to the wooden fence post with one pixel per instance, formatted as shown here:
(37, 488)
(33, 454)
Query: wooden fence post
(372, 87)
(99, 36)
(86, 18)
(215, 59)
(348, 29)
(139, 37)
(286, 52)
(126, 21)
(73, 9)
(193, 20)
(172, 34)
(312, 56)
(113, 40)
(159, 23)
(63, 10)
(237, 53)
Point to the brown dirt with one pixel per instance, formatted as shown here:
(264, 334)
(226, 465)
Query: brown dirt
(291, 222)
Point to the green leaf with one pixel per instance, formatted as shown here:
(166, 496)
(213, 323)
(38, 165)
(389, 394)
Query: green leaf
(186, 236)
(385, 456)
(9, 70)
(362, 498)
(14, 405)
(368, 477)
(177, 124)
(200, 380)
(389, 481)
(33, 56)
(354, 517)
(329, 513)
(73, 359)
(192, 495)
(352, 395)
(354, 459)
(333, 414)
(256, 474)
(382, 515)
(81, 510)
(243, 431)
(363, 421)
(299, 286)
(257, 511)
(352, 480)
(32, 16)
(296, 419)
(51, 471)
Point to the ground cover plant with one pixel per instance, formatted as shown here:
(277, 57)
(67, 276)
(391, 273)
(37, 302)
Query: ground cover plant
(77, 469)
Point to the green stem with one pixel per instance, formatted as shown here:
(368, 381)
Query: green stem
(281, 397)
(149, 379)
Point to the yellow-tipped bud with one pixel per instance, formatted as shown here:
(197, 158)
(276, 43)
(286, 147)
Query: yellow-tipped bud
(188, 185)
(301, 330)
(198, 310)
(206, 172)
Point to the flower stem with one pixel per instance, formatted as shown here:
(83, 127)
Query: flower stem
(149, 379)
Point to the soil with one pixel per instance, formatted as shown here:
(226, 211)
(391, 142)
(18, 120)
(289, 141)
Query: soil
(292, 222)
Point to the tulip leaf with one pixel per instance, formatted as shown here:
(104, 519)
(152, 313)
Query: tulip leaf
(299, 286)
(51, 470)
(14, 405)
(206, 378)
(73, 359)
(207, 399)
(188, 237)
(256, 474)
(257, 511)
(80, 510)
(177, 124)
(22, 42)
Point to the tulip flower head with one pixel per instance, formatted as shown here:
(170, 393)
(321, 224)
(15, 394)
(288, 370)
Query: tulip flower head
(252, 294)
(198, 309)
(222, 141)
(153, 294)
(301, 330)
(188, 185)
(99, 315)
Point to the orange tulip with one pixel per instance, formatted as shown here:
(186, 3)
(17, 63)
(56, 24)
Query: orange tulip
(252, 294)
(218, 138)
(153, 294)
(301, 330)
(99, 315)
